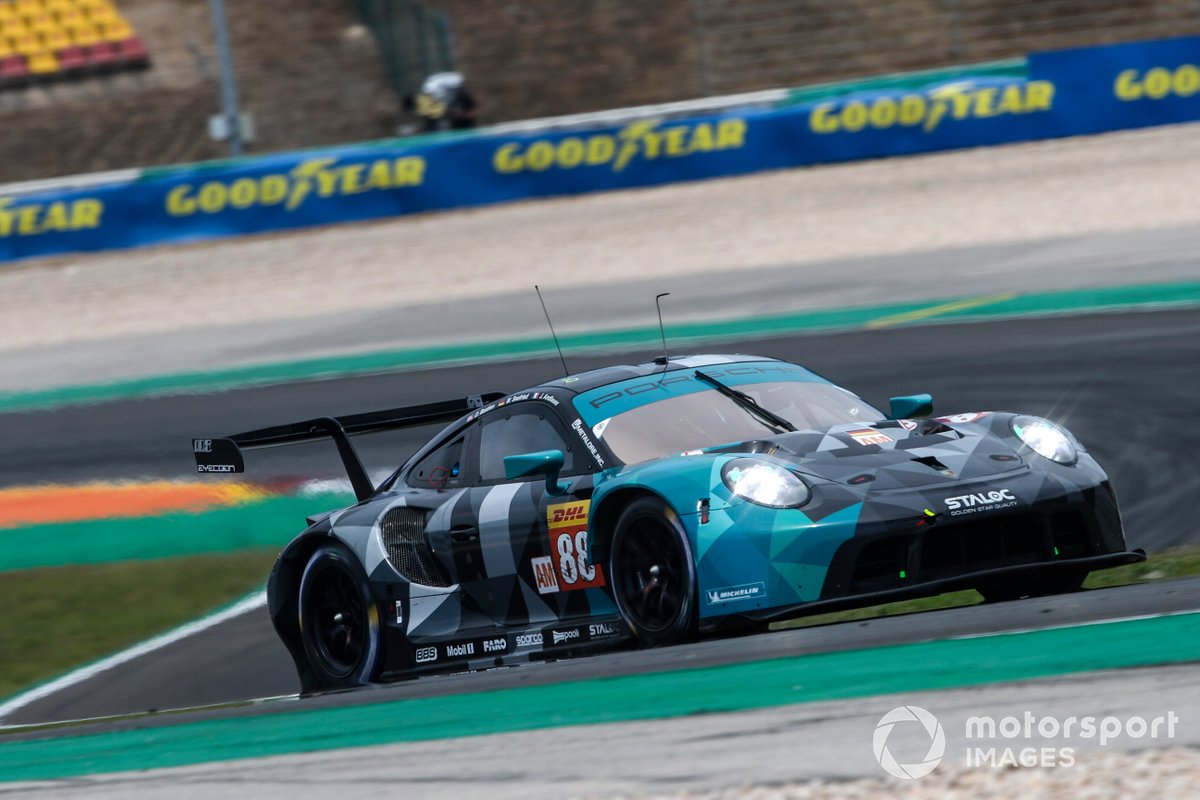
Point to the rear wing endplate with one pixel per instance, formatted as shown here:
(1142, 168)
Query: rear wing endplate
(224, 455)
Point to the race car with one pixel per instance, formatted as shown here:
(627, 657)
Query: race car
(655, 503)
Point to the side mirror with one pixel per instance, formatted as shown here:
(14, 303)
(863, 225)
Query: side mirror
(543, 462)
(913, 406)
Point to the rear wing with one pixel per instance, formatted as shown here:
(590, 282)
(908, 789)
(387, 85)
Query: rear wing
(224, 455)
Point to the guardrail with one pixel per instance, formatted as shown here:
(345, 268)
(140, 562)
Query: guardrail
(1060, 93)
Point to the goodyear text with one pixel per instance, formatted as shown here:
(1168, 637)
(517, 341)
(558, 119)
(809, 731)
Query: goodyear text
(1157, 83)
(643, 139)
(956, 101)
(61, 216)
(322, 177)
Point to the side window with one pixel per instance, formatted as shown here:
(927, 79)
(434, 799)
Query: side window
(513, 434)
(439, 469)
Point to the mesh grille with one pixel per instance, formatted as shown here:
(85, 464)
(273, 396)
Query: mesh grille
(408, 550)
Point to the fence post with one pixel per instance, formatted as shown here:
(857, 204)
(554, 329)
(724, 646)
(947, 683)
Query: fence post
(699, 31)
(952, 26)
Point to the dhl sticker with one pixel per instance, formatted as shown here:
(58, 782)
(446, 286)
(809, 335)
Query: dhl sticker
(566, 515)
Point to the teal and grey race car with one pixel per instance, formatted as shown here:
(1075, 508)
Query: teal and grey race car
(659, 502)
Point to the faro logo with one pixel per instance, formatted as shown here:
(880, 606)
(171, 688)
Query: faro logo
(932, 729)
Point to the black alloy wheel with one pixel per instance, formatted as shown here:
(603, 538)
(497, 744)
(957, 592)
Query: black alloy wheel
(340, 634)
(653, 574)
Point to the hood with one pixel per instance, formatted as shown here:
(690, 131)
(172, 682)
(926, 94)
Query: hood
(892, 454)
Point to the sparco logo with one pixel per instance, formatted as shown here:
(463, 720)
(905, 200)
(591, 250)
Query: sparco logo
(981, 499)
(495, 645)
(426, 654)
(565, 636)
(457, 650)
(529, 640)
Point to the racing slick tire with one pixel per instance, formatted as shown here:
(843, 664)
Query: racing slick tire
(653, 574)
(1039, 587)
(339, 622)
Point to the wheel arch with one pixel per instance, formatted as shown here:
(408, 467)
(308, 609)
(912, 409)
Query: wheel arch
(283, 594)
(603, 522)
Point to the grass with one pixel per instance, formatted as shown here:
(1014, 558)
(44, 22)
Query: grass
(1179, 562)
(58, 618)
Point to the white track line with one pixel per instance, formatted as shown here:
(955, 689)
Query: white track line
(246, 604)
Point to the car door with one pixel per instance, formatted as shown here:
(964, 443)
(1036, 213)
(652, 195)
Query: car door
(532, 544)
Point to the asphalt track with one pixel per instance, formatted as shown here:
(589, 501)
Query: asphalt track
(1126, 384)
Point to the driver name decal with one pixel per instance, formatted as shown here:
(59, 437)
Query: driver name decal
(566, 524)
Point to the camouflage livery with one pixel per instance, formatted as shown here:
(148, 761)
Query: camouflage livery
(466, 572)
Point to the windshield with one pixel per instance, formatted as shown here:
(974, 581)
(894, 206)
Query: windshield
(701, 419)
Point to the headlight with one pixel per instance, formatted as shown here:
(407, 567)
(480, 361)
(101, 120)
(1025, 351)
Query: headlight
(1046, 439)
(765, 483)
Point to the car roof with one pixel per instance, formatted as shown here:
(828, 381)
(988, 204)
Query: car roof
(593, 379)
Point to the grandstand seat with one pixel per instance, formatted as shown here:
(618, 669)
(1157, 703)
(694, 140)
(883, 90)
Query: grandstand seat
(56, 39)
(72, 59)
(84, 36)
(43, 63)
(27, 44)
(133, 52)
(114, 29)
(102, 55)
(47, 39)
(13, 71)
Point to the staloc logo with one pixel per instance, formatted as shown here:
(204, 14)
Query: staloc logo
(602, 630)
(980, 499)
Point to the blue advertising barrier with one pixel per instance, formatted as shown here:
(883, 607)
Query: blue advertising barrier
(1065, 93)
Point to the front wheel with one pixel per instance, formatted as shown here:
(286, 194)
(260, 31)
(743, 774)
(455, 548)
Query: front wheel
(339, 623)
(653, 573)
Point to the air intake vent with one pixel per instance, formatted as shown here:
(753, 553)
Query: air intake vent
(407, 548)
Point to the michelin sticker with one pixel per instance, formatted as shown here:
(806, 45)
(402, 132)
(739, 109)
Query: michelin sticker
(730, 594)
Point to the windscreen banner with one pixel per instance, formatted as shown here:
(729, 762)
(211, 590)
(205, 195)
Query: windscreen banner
(1064, 93)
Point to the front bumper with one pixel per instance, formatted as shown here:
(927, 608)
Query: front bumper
(970, 580)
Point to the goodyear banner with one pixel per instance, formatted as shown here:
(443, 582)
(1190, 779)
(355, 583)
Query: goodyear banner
(1064, 93)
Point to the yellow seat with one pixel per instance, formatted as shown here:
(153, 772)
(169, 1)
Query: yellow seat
(5, 49)
(70, 19)
(41, 22)
(27, 44)
(84, 36)
(6, 14)
(115, 30)
(56, 40)
(43, 63)
(26, 7)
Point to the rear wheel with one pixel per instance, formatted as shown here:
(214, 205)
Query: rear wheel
(653, 573)
(339, 623)
(1038, 587)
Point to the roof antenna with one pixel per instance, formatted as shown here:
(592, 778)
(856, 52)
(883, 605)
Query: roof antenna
(661, 360)
(557, 346)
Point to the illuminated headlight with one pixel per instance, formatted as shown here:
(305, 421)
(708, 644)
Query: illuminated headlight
(1046, 439)
(765, 483)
